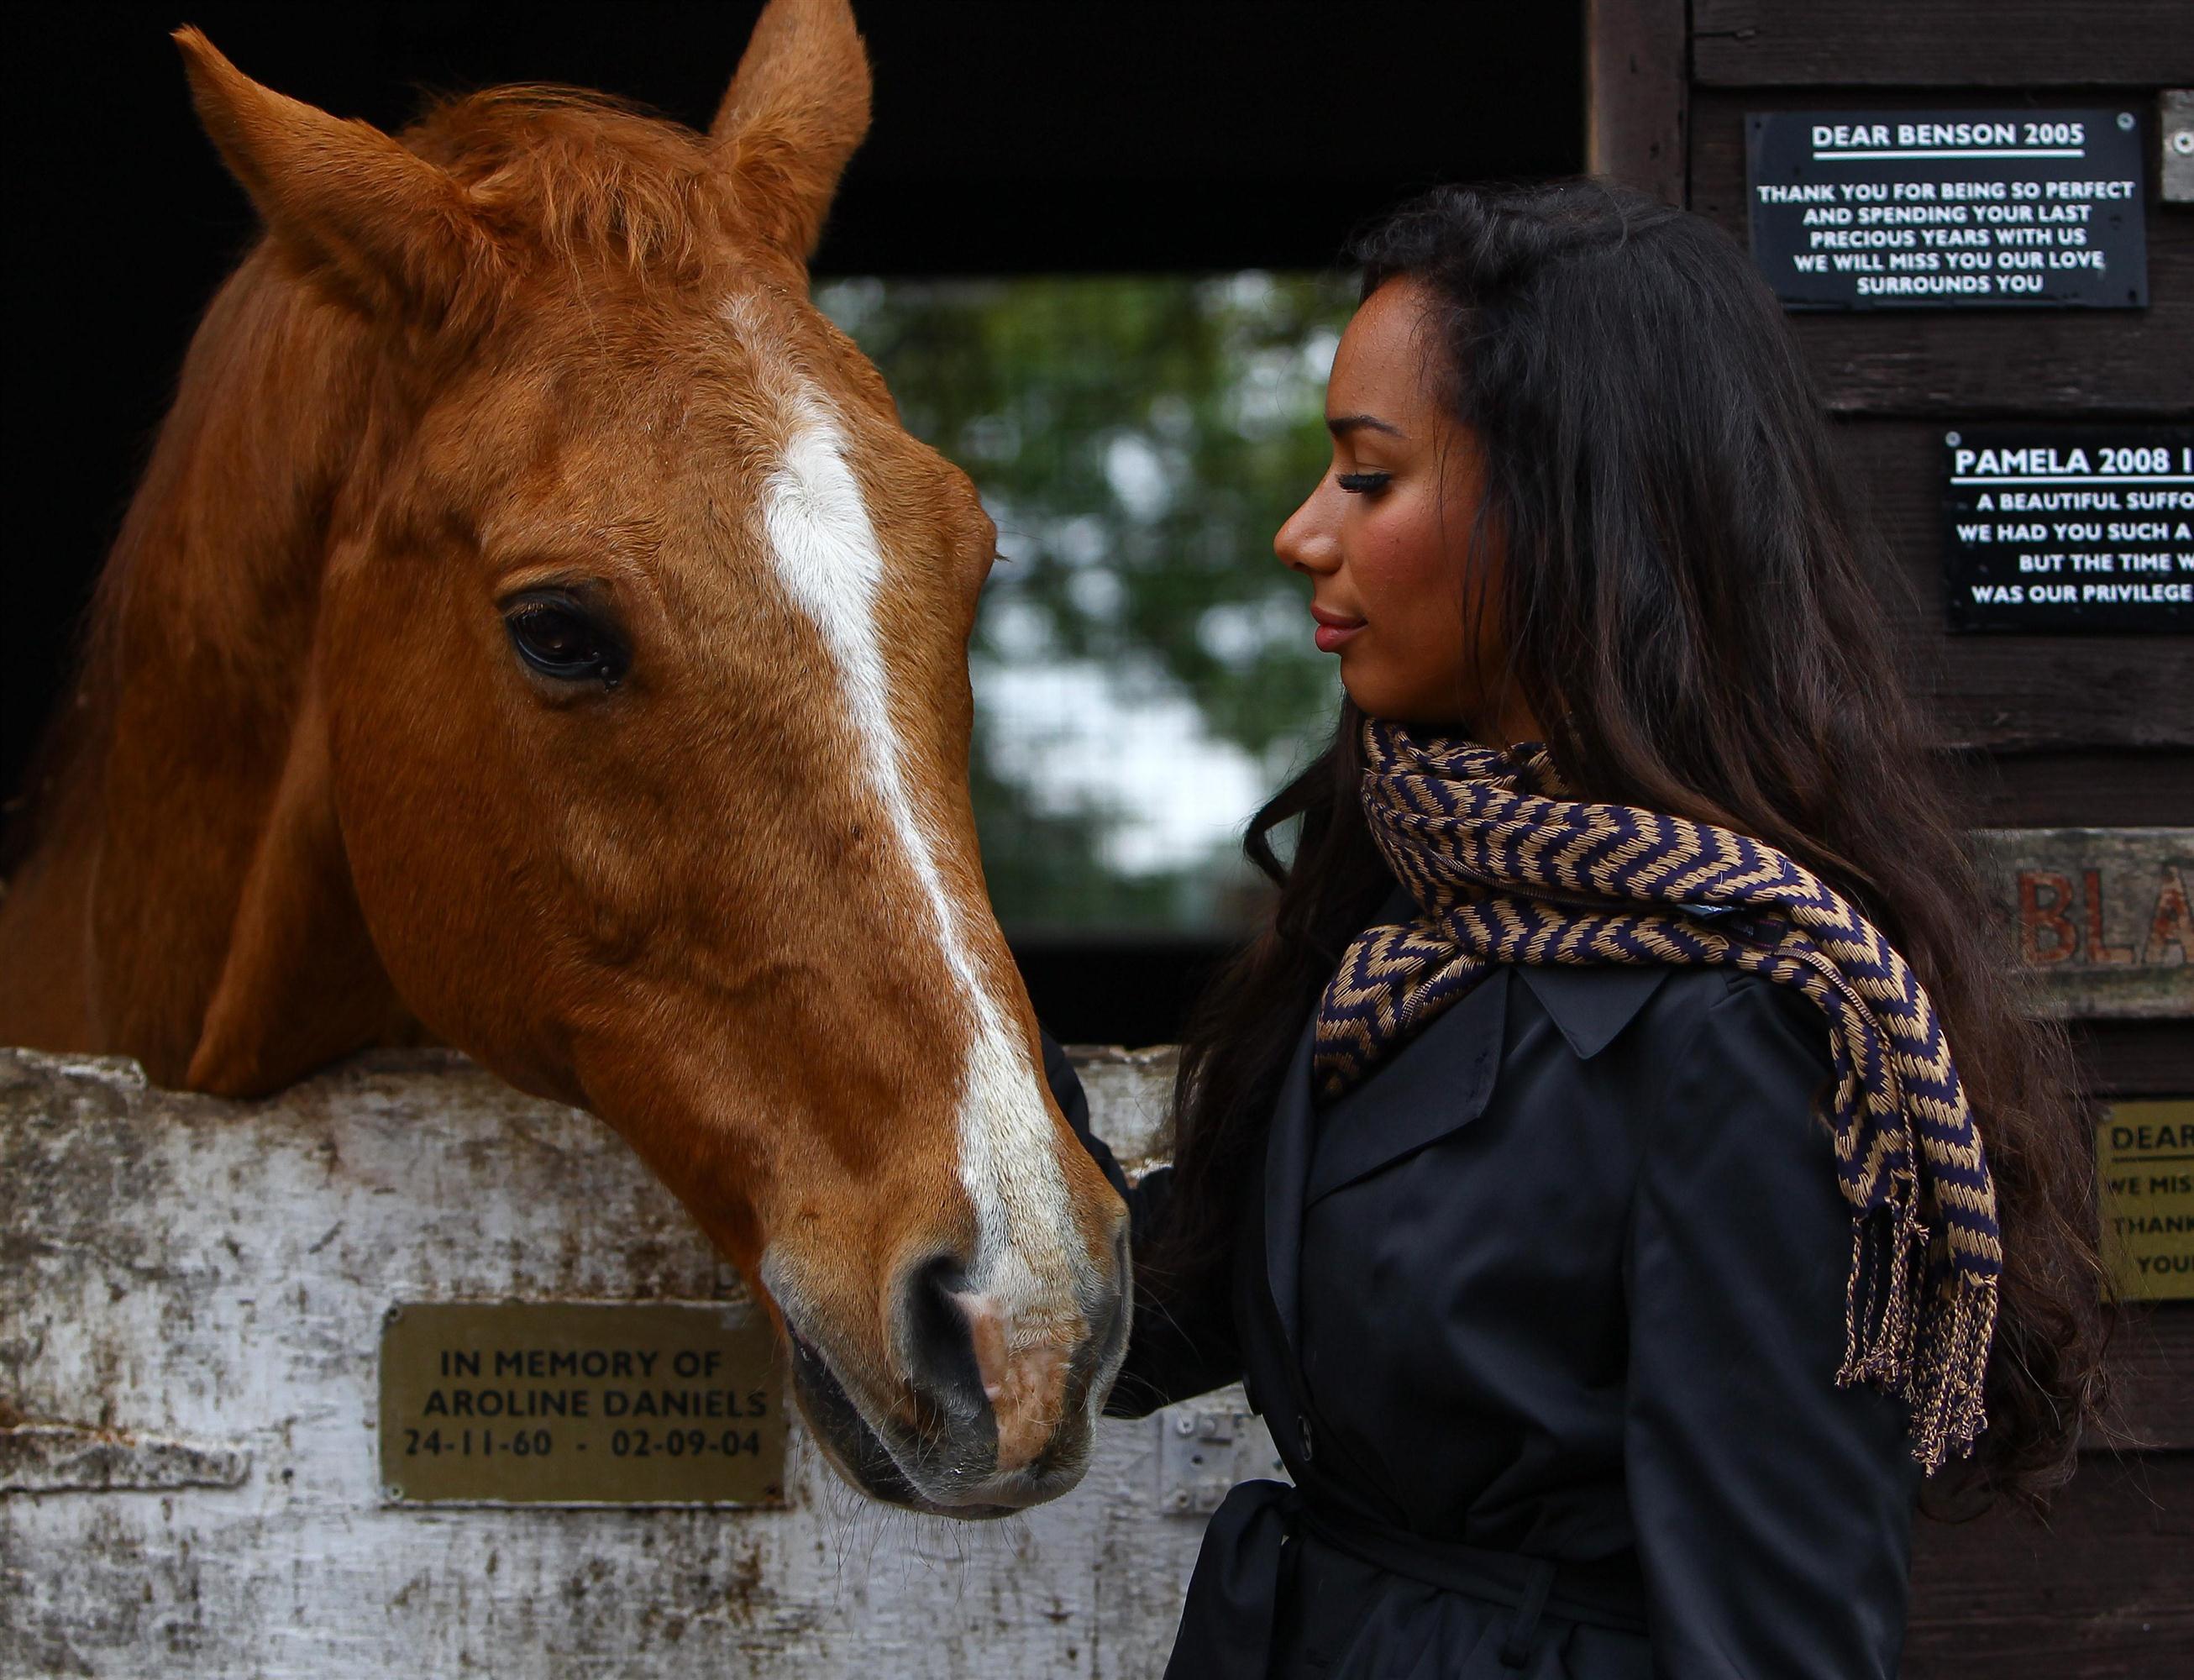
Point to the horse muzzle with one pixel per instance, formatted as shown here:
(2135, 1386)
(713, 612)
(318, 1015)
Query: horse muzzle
(973, 1421)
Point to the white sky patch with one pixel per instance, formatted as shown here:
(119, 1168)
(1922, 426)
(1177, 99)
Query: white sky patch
(826, 554)
(1083, 736)
(1139, 476)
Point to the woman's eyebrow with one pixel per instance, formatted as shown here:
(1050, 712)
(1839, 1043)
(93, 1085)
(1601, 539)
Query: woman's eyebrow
(1341, 425)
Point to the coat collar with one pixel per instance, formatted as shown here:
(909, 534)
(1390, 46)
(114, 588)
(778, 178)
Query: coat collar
(1591, 1006)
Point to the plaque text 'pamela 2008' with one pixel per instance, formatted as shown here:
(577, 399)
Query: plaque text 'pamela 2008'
(581, 1402)
(1875, 210)
(2050, 526)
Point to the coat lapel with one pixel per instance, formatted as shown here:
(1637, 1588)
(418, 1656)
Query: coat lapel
(1436, 1083)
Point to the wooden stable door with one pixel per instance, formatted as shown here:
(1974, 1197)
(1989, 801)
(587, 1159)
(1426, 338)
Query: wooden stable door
(2079, 742)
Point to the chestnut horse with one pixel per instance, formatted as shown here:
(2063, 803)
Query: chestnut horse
(535, 631)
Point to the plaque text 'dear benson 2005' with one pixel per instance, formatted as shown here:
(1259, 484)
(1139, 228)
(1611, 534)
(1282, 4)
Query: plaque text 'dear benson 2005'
(581, 1403)
(1954, 209)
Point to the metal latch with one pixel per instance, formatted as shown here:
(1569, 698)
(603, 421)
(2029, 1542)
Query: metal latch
(1206, 1447)
(2175, 112)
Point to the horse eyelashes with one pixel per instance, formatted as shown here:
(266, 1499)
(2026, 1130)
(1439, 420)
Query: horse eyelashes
(563, 639)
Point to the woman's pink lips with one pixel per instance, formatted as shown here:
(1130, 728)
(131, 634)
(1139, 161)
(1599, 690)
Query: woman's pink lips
(1333, 629)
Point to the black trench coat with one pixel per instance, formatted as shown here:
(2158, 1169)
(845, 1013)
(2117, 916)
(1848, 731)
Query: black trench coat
(1545, 1318)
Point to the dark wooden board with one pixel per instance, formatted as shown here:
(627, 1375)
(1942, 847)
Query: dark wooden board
(1977, 363)
(2054, 695)
(2056, 730)
(2134, 1058)
(2151, 1361)
(1635, 93)
(2100, 1593)
(2005, 43)
(2058, 790)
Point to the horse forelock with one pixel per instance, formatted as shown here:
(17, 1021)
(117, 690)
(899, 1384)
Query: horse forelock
(576, 177)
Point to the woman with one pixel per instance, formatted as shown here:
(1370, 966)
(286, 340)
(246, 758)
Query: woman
(1579, 1185)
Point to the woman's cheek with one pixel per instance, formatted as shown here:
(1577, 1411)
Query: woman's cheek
(1408, 664)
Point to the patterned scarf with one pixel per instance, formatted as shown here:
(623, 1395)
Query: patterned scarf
(1506, 868)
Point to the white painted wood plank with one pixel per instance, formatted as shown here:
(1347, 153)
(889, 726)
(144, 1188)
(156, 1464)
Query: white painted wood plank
(214, 1273)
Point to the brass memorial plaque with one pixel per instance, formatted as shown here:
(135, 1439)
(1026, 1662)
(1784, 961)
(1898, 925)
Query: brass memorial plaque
(581, 1403)
(2145, 1157)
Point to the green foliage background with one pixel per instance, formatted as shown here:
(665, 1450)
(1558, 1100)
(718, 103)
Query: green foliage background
(1137, 439)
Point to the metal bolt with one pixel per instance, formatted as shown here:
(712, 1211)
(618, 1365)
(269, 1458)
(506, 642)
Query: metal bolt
(392, 1315)
(1951, 438)
(2182, 141)
(2125, 119)
(391, 1492)
(1184, 1424)
(1177, 1500)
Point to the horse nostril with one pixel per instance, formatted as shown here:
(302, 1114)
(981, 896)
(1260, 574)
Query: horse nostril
(939, 1339)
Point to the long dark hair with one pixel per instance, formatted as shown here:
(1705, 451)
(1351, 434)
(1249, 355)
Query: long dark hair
(1705, 629)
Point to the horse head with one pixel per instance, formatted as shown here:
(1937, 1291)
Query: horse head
(630, 750)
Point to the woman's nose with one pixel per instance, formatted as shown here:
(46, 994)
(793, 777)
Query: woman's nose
(1310, 540)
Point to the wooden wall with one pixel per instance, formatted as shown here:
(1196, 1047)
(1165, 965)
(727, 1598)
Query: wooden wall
(2093, 731)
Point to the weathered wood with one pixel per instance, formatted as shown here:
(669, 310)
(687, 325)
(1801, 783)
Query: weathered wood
(2101, 917)
(2013, 44)
(69, 1458)
(1636, 90)
(1970, 364)
(2175, 168)
(174, 1266)
(2099, 1593)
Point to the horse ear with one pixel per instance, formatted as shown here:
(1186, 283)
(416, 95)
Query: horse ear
(301, 983)
(343, 195)
(796, 110)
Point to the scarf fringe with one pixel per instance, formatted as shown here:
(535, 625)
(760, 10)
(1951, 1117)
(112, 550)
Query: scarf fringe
(1927, 1346)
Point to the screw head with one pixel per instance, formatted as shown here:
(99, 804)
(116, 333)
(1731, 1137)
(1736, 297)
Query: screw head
(2125, 119)
(1951, 439)
(391, 1492)
(1184, 1424)
(2182, 142)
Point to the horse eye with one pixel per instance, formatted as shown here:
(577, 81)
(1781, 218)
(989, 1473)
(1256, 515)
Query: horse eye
(561, 637)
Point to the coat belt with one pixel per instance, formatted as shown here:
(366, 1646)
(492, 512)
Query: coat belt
(1234, 1594)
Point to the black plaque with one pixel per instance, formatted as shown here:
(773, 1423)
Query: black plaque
(2068, 527)
(1902, 210)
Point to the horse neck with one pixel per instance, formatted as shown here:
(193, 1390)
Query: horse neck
(198, 654)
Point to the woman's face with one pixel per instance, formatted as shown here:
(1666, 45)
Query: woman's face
(1385, 538)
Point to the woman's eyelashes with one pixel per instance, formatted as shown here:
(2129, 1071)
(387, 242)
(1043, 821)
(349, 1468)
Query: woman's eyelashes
(1361, 483)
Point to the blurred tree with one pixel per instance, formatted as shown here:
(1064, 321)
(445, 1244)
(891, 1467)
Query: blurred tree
(1143, 666)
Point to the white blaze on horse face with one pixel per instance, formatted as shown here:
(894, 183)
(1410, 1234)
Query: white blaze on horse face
(826, 552)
